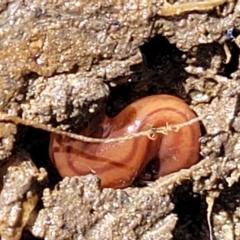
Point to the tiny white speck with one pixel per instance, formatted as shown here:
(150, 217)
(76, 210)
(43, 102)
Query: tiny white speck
(137, 122)
(113, 84)
(130, 128)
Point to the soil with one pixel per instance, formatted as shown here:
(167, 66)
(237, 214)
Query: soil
(63, 64)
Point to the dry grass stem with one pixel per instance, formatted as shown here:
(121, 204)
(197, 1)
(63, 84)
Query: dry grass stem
(177, 9)
(150, 133)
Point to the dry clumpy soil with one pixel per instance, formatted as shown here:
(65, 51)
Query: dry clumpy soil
(64, 63)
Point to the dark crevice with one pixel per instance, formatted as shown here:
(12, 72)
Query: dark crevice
(26, 235)
(233, 64)
(204, 54)
(191, 210)
(36, 142)
(228, 199)
(161, 71)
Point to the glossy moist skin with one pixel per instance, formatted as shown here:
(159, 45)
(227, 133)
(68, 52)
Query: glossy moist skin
(119, 163)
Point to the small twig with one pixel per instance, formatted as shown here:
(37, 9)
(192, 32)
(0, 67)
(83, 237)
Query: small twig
(227, 53)
(210, 200)
(177, 9)
(150, 133)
